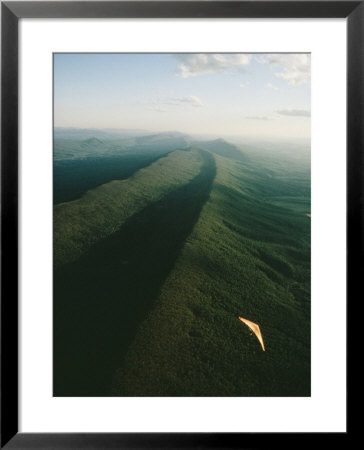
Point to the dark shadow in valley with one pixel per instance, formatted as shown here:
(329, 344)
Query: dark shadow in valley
(100, 299)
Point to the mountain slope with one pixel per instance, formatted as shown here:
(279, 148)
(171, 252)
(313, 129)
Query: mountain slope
(102, 211)
(83, 165)
(152, 273)
(101, 298)
(222, 148)
(245, 257)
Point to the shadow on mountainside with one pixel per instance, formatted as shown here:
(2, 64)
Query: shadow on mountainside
(100, 299)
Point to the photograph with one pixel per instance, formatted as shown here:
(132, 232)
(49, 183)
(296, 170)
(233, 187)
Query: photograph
(181, 224)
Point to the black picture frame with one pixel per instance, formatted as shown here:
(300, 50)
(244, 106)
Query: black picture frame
(11, 12)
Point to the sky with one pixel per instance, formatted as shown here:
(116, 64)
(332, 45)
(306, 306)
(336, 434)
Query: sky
(237, 94)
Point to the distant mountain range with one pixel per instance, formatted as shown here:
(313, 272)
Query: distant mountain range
(220, 147)
(80, 134)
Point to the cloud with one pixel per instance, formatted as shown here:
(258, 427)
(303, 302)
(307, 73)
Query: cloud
(294, 68)
(258, 118)
(294, 112)
(156, 108)
(192, 65)
(244, 85)
(190, 99)
(271, 86)
(160, 105)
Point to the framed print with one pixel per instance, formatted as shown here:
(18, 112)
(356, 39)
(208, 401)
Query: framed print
(142, 294)
(181, 219)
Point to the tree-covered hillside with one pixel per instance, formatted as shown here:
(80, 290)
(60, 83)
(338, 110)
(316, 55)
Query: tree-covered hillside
(152, 273)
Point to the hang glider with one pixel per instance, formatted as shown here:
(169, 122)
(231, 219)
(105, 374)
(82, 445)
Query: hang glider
(255, 329)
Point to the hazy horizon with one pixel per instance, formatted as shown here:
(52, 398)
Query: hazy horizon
(253, 96)
(237, 139)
